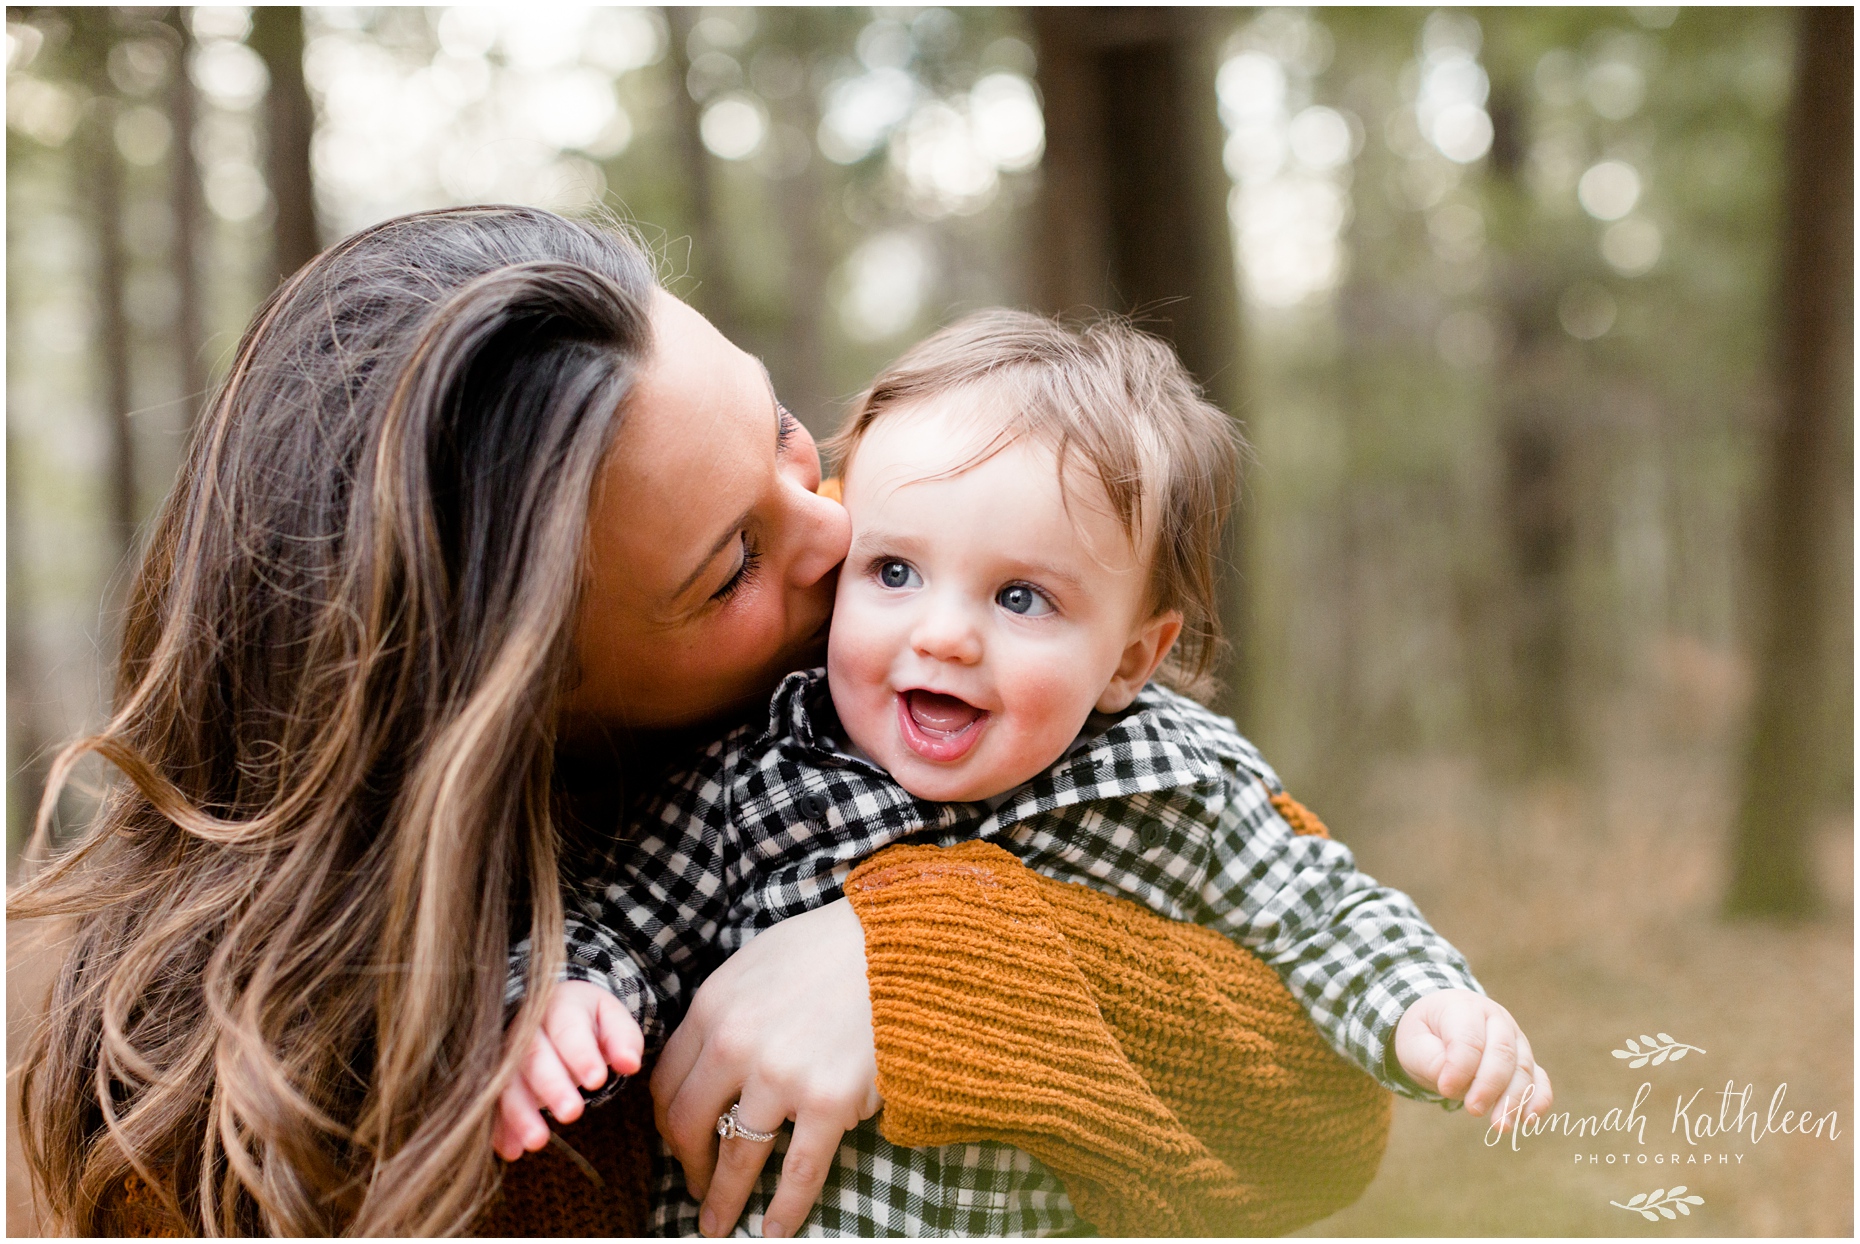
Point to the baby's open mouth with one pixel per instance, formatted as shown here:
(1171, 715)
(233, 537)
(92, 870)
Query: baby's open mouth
(939, 727)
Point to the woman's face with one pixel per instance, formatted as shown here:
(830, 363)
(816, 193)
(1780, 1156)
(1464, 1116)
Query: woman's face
(711, 556)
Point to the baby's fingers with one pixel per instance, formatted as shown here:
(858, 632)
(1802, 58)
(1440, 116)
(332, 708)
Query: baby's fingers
(1542, 1096)
(622, 1043)
(520, 1127)
(1529, 1082)
(572, 1033)
(1519, 1095)
(1497, 1063)
(549, 1083)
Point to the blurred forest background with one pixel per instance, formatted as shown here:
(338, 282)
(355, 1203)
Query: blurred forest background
(1539, 323)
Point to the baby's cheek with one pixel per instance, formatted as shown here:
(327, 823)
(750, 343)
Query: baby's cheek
(858, 662)
(1049, 704)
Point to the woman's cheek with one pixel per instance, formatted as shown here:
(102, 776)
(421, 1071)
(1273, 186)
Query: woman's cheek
(772, 627)
(747, 641)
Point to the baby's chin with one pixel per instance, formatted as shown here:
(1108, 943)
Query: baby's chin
(970, 780)
(941, 787)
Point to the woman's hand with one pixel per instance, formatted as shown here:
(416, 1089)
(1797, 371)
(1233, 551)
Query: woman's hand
(784, 1028)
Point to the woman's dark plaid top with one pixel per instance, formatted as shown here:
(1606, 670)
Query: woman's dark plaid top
(1164, 803)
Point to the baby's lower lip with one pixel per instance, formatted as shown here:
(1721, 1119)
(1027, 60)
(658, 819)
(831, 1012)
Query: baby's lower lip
(938, 746)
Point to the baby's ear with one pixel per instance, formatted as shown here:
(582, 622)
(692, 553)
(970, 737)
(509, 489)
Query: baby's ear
(1142, 656)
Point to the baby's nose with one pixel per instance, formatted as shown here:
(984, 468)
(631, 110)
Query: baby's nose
(947, 634)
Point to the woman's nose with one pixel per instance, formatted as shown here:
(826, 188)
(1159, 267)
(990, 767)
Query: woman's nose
(944, 632)
(823, 533)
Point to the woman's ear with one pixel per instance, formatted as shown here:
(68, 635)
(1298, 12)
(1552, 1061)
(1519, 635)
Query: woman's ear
(1142, 655)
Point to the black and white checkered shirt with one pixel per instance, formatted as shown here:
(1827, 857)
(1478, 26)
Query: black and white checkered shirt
(1164, 803)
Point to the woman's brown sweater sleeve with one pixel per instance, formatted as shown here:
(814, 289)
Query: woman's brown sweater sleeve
(1165, 1074)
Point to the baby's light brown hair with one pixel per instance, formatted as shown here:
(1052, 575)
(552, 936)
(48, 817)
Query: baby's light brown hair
(1123, 402)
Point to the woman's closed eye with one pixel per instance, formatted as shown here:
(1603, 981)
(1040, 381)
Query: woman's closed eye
(1024, 599)
(745, 571)
(898, 575)
(785, 428)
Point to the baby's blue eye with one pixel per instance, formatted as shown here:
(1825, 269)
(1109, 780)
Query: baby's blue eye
(1021, 599)
(898, 575)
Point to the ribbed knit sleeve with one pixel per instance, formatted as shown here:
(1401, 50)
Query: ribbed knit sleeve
(1166, 1075)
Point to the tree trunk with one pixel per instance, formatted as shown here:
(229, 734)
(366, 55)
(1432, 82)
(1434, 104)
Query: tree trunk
(712, 291)
(278, 37)
(104, 175)
(26, 733)
(1783, 789)
(185, 201)
(797, 363)
(1134, 203)
(1538, 501)
(1526, 714)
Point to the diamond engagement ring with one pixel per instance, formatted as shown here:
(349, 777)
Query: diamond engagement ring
(728, 1125)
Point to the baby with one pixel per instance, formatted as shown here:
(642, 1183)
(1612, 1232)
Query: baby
(1036, 516)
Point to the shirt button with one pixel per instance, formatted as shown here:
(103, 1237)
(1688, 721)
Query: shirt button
(815, 805)
(1151, 832)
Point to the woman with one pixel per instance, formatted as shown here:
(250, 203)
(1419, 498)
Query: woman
(478, 516)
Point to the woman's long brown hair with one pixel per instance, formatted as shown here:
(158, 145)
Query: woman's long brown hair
(282, 1008)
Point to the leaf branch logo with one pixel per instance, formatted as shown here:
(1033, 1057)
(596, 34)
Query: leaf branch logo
(1647, 1049)
(1661, 1202)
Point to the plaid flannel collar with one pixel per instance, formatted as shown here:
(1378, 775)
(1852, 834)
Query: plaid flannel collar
(1163, 741)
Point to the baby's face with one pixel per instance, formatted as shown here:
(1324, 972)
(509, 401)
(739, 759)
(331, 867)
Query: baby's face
(979, 619)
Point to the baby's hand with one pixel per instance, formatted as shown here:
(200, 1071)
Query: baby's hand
(584, 1031)
(1462, 1044)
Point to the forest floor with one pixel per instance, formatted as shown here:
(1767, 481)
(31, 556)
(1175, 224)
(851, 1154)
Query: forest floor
(1589, 907)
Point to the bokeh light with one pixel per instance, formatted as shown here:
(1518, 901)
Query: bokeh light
(734, 126)
(861, 111)
(1609, 190)
(1290, 162)
(506, 105)
(887, 279)
(1450, 106)
(1008, 127)
(1632, 246)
